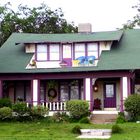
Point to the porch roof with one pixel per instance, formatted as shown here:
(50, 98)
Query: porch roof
(124, 54)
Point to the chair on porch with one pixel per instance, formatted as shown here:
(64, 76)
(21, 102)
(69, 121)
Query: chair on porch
(97, 104)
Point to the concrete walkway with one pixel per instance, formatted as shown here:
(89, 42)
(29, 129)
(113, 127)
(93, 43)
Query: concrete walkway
(95, 133)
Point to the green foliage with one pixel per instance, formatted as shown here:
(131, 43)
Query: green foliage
(5, 113)
(76, 129)
(20, 108)
(39, 19)
(121, 118)
(5, 102)
(60, 117)
(116, 129)
(132, 105)
(38, 111)
(84, 120)
(135, 22)
(77, 108)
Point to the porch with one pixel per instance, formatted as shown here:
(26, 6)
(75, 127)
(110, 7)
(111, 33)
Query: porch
(54, 93)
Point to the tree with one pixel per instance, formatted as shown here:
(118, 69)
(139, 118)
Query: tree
(32, 20)
(136, 19)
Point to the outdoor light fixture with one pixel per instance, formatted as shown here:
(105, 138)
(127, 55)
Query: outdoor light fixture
(95, 87)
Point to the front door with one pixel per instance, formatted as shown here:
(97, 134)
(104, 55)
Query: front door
(109, 95)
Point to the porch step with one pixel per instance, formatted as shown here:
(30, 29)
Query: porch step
(103, 118)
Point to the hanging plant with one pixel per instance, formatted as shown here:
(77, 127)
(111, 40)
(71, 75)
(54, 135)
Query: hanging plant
(52, 84)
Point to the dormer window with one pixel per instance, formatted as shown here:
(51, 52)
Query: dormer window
(92, 50)
(86, 49)
(54, 52)
(46, 52)
(80, 50)
(41, 52)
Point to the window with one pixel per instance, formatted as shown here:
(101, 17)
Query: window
(83, 49)
(64, 92)
(41, 52)
(50, 52)
(109, 90)
(74, 92)
(54, 51)
(92, 50)
(67, 51)
(79, 50)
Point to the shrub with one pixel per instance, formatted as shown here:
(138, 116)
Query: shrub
(5, 102)
(5, 113)
(84, 120)
(132, 105)
(60, 117)
(121, 118)
(20, 108)
(76, 129)
(116, 129)
(77, 108)
(38, 111)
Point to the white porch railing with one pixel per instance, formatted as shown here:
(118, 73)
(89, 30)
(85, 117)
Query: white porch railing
(53, 106)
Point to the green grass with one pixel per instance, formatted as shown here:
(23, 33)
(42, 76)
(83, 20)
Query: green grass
(59, 131)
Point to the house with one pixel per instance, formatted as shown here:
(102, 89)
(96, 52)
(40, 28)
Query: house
(100, 67)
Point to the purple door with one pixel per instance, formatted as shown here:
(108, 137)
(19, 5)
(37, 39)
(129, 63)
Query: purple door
(109, 95)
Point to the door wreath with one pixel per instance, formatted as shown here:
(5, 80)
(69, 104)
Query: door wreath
(52, 93)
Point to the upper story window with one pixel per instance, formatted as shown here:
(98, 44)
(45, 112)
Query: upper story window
(54, 51)
(79, 50)
(92, 50)
(86, 49)
(66, 50)
(46, 52)
(42, 52)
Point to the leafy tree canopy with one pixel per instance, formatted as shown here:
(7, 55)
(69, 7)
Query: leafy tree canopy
(32, 20)
(135, 22)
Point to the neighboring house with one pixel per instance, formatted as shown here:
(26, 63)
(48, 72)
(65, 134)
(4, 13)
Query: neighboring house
(49, 69)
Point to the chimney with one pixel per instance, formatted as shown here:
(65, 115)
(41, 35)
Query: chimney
(84, 28)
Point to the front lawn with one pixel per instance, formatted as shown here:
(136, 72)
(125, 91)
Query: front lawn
(59, 131)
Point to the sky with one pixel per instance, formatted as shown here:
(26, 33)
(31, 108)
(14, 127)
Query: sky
(104, 15)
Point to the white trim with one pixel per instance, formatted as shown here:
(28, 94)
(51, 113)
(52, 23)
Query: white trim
(87, 89)
(105, 112)
(35, 92)
(125, 87)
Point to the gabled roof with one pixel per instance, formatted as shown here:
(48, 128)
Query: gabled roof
(70, 37)
(124, 54)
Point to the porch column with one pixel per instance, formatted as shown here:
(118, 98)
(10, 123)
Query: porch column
(88, 92)
(125, 90)
(35, 91)
(1, 89)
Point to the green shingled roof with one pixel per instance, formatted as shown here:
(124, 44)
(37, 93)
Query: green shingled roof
(71, 37)
(124, 54)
